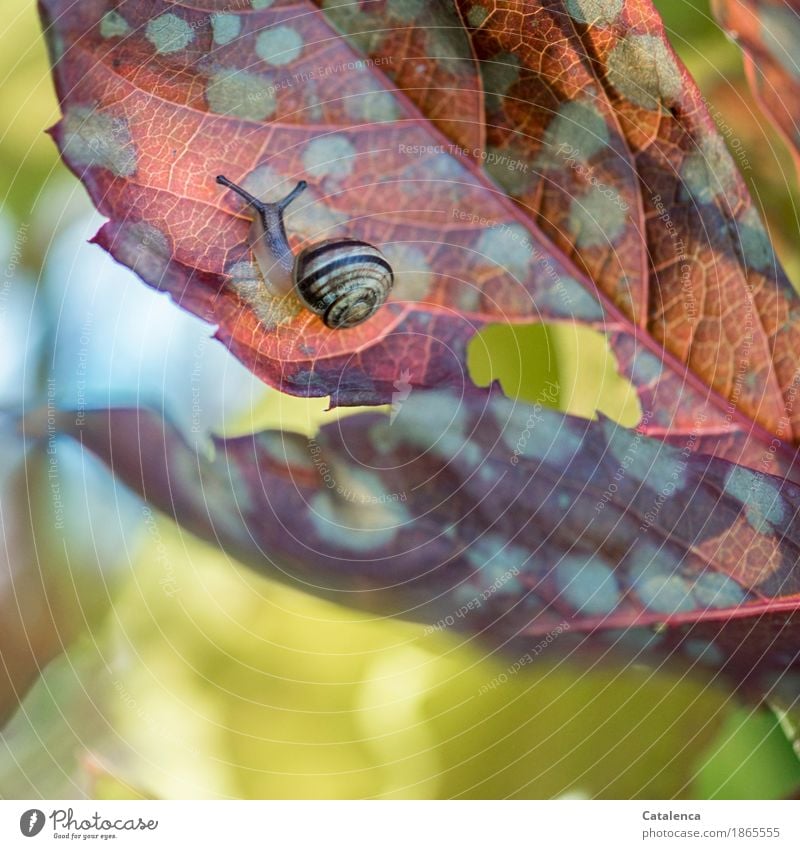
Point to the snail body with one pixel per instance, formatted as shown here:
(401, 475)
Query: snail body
(343, 280)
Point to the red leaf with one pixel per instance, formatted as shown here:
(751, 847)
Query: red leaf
(53, 560)
(769, 33)
(508, 521)
(159, 98)
(30, 634)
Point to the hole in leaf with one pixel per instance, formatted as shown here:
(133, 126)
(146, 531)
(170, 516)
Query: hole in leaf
(751, 743)
(529, 360)
(279, 411)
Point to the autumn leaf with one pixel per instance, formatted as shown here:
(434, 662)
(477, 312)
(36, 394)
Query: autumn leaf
(60, 559)
(23, 651)
(769, 33)
(495, 518)
(587, 184)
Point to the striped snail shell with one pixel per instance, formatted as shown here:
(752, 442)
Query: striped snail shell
(344, 281)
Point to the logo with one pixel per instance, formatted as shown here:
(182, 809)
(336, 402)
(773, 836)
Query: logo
(402, 389)
(31, 822)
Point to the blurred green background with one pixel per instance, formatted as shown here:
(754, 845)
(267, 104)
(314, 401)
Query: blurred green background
(192, 677)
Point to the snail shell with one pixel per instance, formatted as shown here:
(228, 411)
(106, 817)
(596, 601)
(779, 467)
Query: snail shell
(344, 281)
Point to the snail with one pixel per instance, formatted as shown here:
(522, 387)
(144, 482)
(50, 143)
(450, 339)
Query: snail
(343, 280)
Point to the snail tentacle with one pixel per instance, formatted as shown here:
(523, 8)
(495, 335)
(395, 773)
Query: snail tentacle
(268, 235)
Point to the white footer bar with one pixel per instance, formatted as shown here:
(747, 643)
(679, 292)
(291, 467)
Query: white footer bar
(402, 825)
